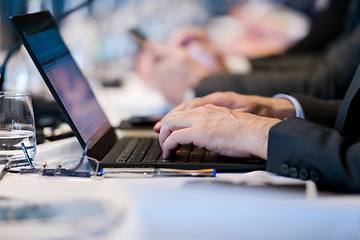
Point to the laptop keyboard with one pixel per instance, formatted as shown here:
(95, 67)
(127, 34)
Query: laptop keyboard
(148, 150)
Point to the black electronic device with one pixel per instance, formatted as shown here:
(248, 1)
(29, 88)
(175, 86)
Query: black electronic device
(139, 122)
(41, 38)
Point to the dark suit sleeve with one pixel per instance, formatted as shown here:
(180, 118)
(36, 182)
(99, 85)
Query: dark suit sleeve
(328, 78)
(326, 27)
(318, 110)
(302, 149)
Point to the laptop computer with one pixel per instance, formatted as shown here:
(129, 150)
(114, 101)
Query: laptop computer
(41, 38)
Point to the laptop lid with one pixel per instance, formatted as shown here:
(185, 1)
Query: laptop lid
(41, 38)
(72, 92)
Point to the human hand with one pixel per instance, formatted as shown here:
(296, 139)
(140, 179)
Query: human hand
(270, 107)
(183, 36)
(173, 70)
(199, 46)
(219, 129)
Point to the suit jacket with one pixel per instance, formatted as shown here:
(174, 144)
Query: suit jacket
(326, 26)
(329, 156)
(326, 76)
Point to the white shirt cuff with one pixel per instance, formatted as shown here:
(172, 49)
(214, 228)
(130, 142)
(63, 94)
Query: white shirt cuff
(298, 109)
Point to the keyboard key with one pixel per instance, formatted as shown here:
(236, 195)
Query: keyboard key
(124, 156)
(118, 148)
(182, 155)
(197, 154)
(210, 157)
(164, 160)
(140, 151)
(154, 152)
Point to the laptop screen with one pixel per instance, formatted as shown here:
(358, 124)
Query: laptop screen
(67, 81)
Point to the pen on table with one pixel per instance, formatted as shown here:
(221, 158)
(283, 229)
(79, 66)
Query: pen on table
(154, 172)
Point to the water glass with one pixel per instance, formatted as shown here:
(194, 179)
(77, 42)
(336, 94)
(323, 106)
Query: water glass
(17, 126)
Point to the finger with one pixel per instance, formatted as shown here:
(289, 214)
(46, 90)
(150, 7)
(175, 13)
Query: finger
(216, 108)
(157, 126)
(176, 138)
(217, 99)
(156, 50)
(191, 104)
(183, 106)
(241, 110)
(185, 35)
(173, 122)
(228, 112)
(202, 55)
(180, 107)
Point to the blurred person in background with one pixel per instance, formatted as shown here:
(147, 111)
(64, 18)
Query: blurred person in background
(201, 65)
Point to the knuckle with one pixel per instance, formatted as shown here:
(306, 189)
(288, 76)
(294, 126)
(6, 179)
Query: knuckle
(208, 105)
(172, 140)
(166, 119)
(231, 95)
(192, 104)
(215, 94)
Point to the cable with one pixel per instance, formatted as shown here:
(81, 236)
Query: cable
(17, 45)
(64, 15)
(3, 66)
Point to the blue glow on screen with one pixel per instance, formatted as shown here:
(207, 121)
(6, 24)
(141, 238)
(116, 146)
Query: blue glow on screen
(69, 84)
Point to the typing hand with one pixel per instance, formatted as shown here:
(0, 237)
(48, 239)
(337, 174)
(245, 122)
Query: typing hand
(262, 106)
(219, 129)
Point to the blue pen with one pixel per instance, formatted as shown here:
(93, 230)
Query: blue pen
(27, 155)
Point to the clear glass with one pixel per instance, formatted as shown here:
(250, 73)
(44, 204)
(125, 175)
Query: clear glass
(17, 126)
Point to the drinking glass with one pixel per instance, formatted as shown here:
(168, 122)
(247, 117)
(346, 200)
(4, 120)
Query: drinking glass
(17, 127)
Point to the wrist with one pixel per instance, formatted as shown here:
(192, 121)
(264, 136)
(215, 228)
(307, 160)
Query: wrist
(283, 108)
(261, 136)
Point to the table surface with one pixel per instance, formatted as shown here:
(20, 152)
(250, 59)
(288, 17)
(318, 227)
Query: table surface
(256, 205)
